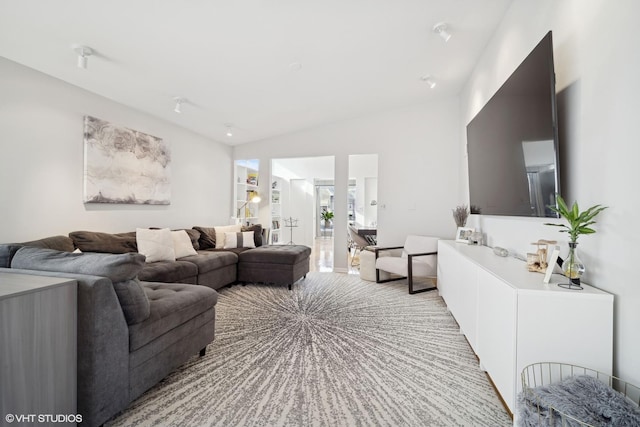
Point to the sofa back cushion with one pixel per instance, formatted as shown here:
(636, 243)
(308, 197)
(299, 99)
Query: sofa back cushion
(60, 243)
(121, 269)
(92, 241)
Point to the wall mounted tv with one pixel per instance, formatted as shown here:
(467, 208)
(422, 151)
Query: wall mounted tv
(512, 142)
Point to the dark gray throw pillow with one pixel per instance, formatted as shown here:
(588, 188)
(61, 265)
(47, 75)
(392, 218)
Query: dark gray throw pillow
(121, 269)
(207, 238)
(6, 254)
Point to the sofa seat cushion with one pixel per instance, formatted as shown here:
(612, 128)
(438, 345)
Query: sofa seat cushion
(169, 272)
(276, 254)
(211, 260)
(172, 304)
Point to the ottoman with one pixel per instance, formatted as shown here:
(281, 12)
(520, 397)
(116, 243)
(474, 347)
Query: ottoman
(279, 264)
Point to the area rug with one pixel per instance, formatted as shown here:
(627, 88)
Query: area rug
(334, 351)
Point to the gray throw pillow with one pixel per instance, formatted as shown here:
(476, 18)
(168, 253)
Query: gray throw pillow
(121, 269)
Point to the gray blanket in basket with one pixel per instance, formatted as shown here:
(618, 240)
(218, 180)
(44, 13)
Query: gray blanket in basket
(583, 398)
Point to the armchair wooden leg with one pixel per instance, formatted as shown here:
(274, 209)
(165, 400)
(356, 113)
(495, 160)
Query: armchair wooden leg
(203, 352)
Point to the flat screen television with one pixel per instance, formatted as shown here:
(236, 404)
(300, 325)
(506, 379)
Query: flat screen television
(512, 142)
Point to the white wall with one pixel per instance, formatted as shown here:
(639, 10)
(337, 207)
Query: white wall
(597, 64)
(418, 150)
(41, 165)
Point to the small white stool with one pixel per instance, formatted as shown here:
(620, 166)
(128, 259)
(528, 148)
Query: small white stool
(368, 266)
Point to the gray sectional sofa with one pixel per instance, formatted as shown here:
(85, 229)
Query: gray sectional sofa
(138, 321)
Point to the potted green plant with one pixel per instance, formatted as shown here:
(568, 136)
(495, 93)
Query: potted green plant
(327, 216)
(578, 223)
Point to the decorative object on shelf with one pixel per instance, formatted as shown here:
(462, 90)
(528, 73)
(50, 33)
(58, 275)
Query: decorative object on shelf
(124, 166)
(579, 223)
(476, 238)
(290, 223)
(460, 215)
(463, 234)
(538, 262)
(252, 178)
(254, 197)
(551, 263)
(500, 251)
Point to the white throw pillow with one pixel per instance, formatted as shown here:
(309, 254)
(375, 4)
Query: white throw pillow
(156, 245)
(182, 244)
(220, 230)
(239, 240)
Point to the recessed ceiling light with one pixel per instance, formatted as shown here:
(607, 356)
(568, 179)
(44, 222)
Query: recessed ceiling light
(295, 66)
(429, 81)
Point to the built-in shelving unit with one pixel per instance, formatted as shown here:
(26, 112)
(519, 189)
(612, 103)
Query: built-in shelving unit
(246, 187)
(275, 200)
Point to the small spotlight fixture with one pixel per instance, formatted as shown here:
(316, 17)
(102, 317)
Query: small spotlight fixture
(442, 30)
(229, 127)
(84, 53)
(429, 81)
(179, 102)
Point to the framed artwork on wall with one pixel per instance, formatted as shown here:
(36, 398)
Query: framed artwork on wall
(125, 166)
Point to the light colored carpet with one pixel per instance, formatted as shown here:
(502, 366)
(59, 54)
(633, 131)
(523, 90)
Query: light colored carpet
(335, 351)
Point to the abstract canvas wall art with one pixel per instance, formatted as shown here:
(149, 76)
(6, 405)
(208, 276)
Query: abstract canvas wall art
(124, 166)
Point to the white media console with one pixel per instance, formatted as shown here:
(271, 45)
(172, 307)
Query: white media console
(512, 319)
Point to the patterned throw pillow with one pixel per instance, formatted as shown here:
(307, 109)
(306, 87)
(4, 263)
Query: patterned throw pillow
(239, 240)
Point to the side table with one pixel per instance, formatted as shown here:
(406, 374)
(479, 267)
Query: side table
(38, 368)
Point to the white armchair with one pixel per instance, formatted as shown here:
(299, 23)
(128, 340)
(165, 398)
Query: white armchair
(418, 259)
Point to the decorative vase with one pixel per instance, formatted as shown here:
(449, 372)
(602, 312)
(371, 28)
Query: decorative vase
(573, 268)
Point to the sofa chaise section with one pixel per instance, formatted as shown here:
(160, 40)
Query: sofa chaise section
(131, 334)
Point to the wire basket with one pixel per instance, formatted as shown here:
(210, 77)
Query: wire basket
(548, 373)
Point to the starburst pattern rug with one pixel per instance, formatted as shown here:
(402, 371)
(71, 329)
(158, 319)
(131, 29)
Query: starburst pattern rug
(334, 351)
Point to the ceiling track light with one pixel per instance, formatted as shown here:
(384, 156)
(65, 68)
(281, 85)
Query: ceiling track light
(179, 101)
(229, 127)
(442, 30)
(429, 81)
(84, 53)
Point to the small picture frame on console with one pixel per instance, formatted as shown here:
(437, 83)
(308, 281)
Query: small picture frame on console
(463, 234)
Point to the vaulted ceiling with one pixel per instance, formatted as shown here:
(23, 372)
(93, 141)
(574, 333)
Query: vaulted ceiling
(262, 68)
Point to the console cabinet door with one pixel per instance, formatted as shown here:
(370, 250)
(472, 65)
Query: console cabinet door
(446, 273)
(467, 304)
(497, 306)
(457, 284)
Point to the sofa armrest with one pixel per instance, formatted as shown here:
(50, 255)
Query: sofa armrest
(103, 347)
